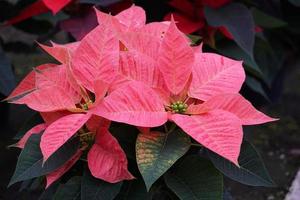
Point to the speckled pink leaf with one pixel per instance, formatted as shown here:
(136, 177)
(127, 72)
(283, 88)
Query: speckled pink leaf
(139, 60)
(55, 175)
(176, 59)
(27, 84)
(218, 130)
(214, 74)
(35, 130)
(133, 17)
(239, 106)
(135, 104)
(107, 160)
(61, 53)
(61, 131)
(97, 56)
(53, 91)
(157, 29)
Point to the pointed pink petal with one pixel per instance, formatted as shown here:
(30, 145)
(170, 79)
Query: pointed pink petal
(60, 131)
(57, 5)
(28, 83)
(157, 29)
(239, 106)
(61, 53)
(55, 175)
(214, 74)
(219, 131)
(97, 56)
(107, 160)
(134, 104)
(176, 59)
(133, 17)
(35, 130)
(54, 91)
(139, 60)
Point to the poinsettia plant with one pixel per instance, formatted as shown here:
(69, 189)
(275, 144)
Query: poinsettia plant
(135, 111)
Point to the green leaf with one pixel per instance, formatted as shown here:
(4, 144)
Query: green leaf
(103, 3)
(267, 21)
(49, 193)
(7, 77)
(238, 20)
(156, 152)
(96, 189)
(230, 49)
(195, 178)
(256, 86)
(31, 122)
(133, 190)
(70, 190)
(295, 2)
(252, 170)
(30, 162)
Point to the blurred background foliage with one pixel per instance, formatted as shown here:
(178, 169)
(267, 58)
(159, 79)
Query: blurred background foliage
(265, 34)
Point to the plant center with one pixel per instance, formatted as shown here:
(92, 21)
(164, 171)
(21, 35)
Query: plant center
(179, 107)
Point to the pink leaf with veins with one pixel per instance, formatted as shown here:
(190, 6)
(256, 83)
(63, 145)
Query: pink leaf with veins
(214, 74)
(139, 60)
(239, 106)
(54, 91)
(35, 130)
(133, 17)
(176, 59)
(97, 56)
(107, 160)
(60, 131)
(135, 104)
(27, 84)
(61, 53)
(217, 130)
(55, 175)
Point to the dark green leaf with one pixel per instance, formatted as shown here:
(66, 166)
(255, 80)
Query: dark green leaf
(238, 20)
(251, 171)
(295, 2)
(31, 122)
(133, 190)
(70, 190)
(230, 49)
(7, 78)
(266, 21)
(103, 3)
(195, 178)
(30, 162)
(96, 189)
(156, 152)
(256, 86)
(49, 193)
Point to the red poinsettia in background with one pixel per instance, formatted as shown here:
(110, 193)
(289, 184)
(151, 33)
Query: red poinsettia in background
(190, 17)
